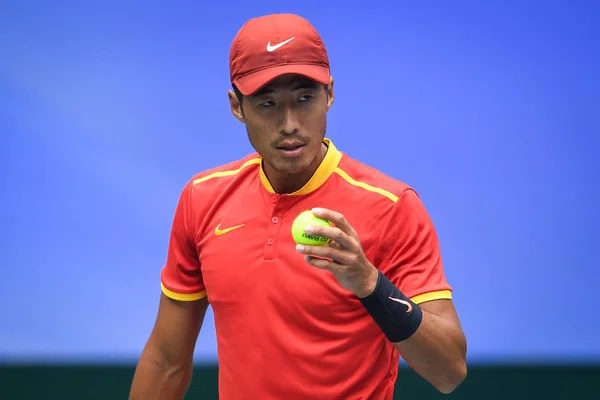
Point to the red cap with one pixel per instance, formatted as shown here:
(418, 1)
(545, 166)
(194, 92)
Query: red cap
(272, 45)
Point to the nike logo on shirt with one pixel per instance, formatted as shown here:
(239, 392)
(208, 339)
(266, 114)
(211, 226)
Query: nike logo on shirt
(219, 231)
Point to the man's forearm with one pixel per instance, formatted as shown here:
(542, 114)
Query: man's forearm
(437, 352)
(434, 346)
(156, 380)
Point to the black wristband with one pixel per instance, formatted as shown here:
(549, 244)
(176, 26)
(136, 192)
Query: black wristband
(397, 316)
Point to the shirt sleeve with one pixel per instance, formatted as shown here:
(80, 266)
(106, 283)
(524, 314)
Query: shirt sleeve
(410, 251)
(181, 276)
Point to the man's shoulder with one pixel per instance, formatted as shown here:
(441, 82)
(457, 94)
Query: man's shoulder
(216, 177)
(362, 175)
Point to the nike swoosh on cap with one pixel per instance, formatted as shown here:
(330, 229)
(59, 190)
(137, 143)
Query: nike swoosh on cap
(271, 48)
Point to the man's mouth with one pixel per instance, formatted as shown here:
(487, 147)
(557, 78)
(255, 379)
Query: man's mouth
(291, 148)
(290, 144)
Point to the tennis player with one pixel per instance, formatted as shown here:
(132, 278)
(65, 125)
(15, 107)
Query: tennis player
(299, 322)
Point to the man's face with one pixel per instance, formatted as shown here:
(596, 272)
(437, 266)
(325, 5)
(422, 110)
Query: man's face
(286, 121)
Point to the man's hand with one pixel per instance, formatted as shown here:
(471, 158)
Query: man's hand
(343, 256)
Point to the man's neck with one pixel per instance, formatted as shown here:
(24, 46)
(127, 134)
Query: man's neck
(290, 183)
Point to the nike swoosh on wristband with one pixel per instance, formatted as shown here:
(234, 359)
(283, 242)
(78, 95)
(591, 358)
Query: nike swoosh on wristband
(278, 45)
(406, 303)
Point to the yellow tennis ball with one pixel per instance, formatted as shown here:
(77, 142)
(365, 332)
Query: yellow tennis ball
(308, 218)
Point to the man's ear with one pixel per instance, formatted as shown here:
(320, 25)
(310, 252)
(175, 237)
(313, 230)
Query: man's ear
(330, 94)
(236, 106)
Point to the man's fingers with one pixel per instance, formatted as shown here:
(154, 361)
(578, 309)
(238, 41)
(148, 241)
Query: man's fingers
(335, 234)
(335, 245)
(337, 218)
(335, 254)
(324, 264)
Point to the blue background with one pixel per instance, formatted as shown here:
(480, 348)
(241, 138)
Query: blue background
(491, 110)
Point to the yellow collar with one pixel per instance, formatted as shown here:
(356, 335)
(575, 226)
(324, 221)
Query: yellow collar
(326, 168)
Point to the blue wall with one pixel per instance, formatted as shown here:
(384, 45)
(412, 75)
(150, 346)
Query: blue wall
(491, 110)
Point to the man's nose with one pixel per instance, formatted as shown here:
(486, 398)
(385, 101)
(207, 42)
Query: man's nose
(289, 123)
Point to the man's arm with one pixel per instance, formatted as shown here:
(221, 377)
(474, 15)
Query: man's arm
(425, 331)
(164, 370)
(437, 350)
(427, 335)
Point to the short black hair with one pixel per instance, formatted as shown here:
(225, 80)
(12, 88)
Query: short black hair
(238, 94)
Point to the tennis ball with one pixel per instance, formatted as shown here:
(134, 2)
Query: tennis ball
(308, 218)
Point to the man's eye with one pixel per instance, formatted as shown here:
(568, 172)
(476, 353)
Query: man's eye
(267, 104)
(306, 97)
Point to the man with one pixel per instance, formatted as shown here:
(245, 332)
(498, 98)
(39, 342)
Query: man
(299, 322)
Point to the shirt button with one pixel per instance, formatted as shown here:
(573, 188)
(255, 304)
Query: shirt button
(274, 199)
(270, 241)
(275, 220)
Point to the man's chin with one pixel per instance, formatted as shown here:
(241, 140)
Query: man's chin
(292, 167)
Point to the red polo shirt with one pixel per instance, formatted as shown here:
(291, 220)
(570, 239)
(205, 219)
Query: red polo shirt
(285, 329)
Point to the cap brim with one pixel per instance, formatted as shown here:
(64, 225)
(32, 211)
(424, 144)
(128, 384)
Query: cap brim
(250, 83)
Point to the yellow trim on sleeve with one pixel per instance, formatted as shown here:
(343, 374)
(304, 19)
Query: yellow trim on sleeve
(220, 174)
(437, 295)
(182, 296)
(365, 186)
